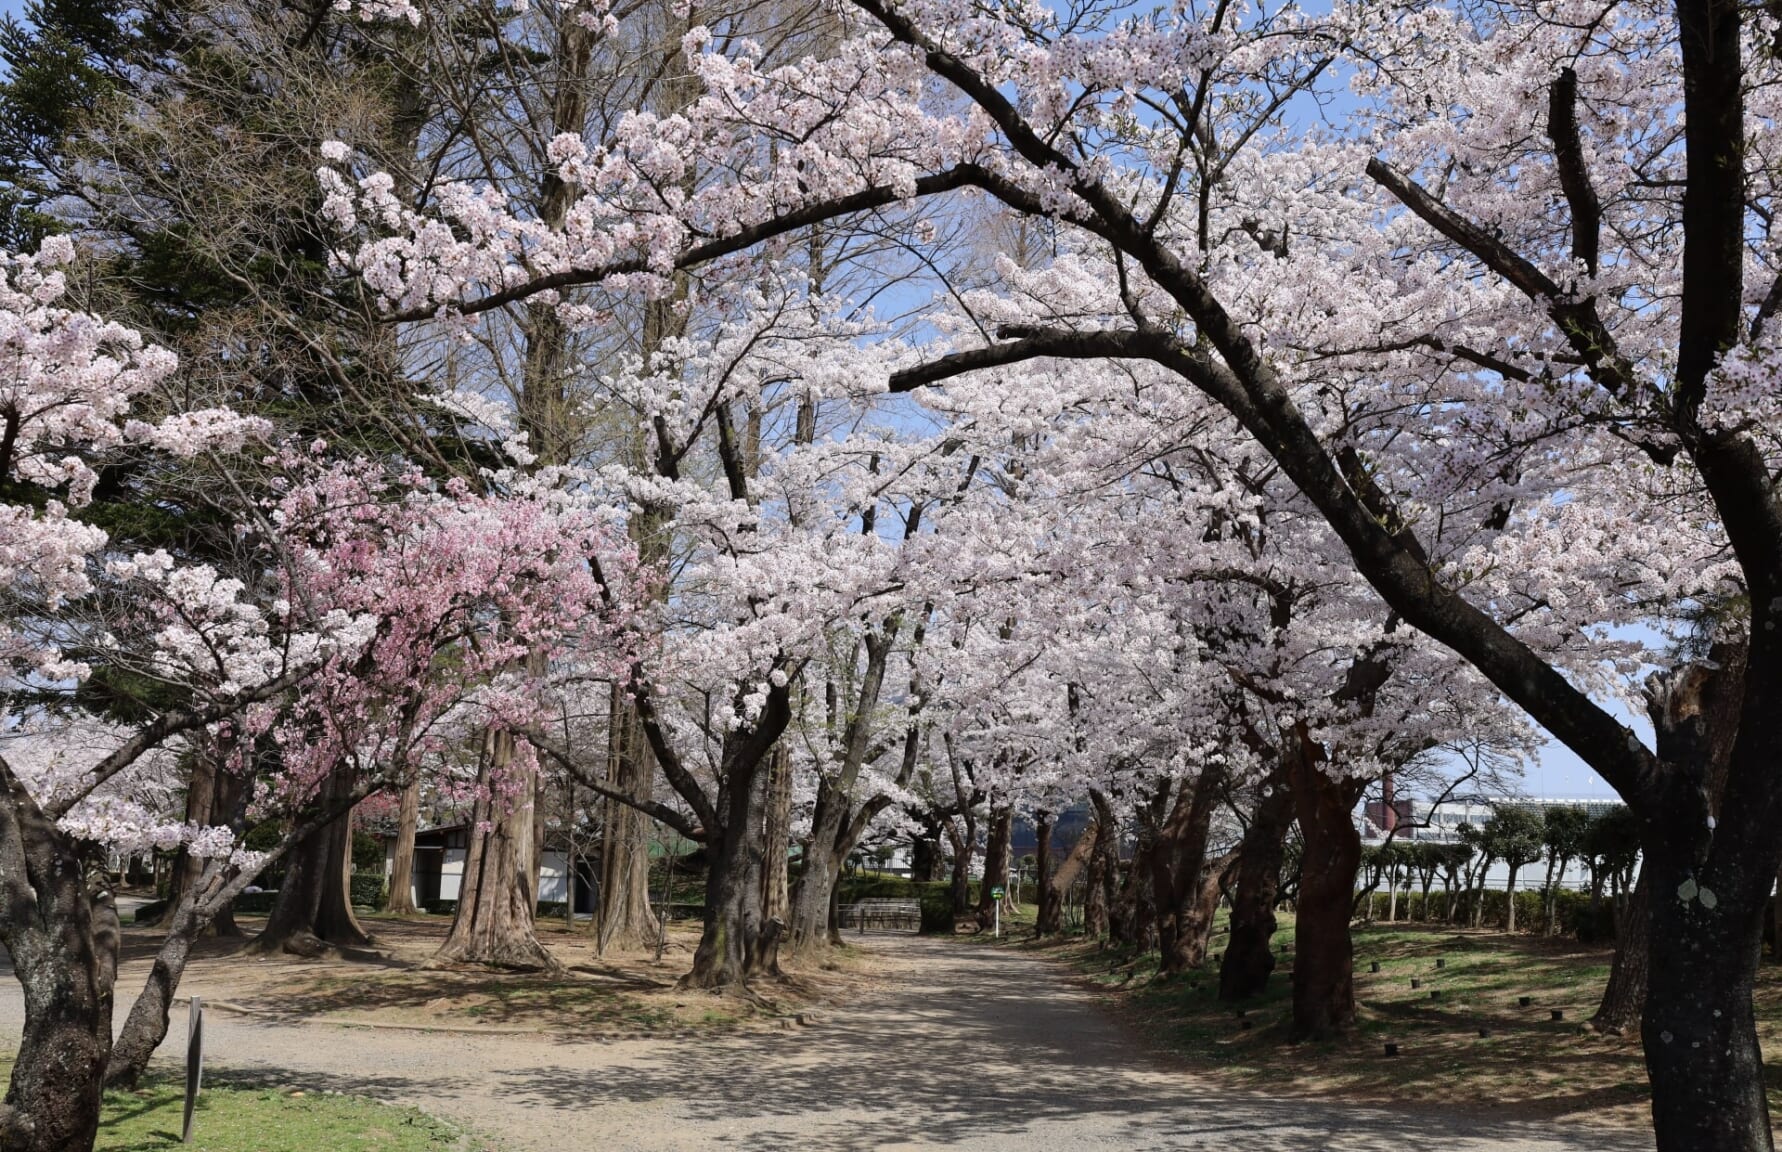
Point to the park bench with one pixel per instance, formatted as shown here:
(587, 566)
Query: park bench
(882, 913)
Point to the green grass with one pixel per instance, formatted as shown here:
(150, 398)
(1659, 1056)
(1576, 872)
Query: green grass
(233, 1118)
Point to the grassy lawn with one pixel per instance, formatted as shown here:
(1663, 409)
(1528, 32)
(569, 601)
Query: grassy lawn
(1529, 1062)
(240, 1118)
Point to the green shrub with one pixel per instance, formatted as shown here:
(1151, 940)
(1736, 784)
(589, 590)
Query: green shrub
(368, 890)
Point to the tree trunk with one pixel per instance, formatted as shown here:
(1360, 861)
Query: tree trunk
(1053, 889)
(822, 870)
(1324, 957)
(1049, 918)
(737, 942)
(1554, 884)
(1249, 958)
(776, 896)
(1104, 865)
(63, 944)
(1625, 997)
(964, 848)
(313, 909)
(925, 856)
(626, 920)
(996, 865)
(402, 862)
(1510, 900)
(1178, 867)
(494, 921)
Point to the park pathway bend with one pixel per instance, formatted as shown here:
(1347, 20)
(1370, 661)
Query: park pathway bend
(967, 1048)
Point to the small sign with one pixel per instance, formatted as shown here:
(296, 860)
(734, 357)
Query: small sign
(194, 1064)
(997, 893)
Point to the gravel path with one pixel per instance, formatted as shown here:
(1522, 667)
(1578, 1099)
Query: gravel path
(963, 1048)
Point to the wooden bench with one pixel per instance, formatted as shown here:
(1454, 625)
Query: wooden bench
(883, 913)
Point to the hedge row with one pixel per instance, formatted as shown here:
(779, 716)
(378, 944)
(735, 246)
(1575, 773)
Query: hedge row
(1577, 916)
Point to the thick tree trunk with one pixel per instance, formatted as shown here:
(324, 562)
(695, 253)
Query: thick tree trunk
(925, 855)
(494, 921)
(822, 870)
(1053, 889)
(626, 920)
(1625, 997)
(1698, 1028)
(1178, 873)
(1324, 956)
(738, 942)
(402, 863)
(63, 943)
(1249, 956)
(996, 865)
(314, 909)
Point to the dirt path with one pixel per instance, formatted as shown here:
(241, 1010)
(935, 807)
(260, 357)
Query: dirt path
(961, 1048)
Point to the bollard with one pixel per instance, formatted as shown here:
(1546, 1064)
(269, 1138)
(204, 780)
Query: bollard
(1525, 1001)
(1415, 983)
(1484, 1033)
(1374, 967)
(194, 1064)
(1559, 1013)
(1392, 1049)
(1441, 962)
(1435, 993)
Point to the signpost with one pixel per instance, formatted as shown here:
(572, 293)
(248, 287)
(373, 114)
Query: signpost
(996, 895)
(194, 1063)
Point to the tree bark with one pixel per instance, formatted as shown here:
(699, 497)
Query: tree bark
(63, 944)
(1049, 902)
(1052, 890)
(626, 920)
(313, 909)
(964, 848)
(494, 920)
(738, 942)
(1324, 956)
(1178, 873)
(402, 861)
(776, 896)
(1249, 957)
(1104, 863)
(1625, 997)
(996, 864)
(817, 880)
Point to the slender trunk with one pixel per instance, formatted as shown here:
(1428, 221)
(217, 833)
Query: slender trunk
(1324, 959)
(1625, 997)
(1554, 884)
(1510, 899)
(402, 862)
(996, 864)
(1392, 894)
(964, 847)
(494, 922)
(1049, 920)
(1249, 957)
(1104, 866)
(1053, 890)
(776, 897)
